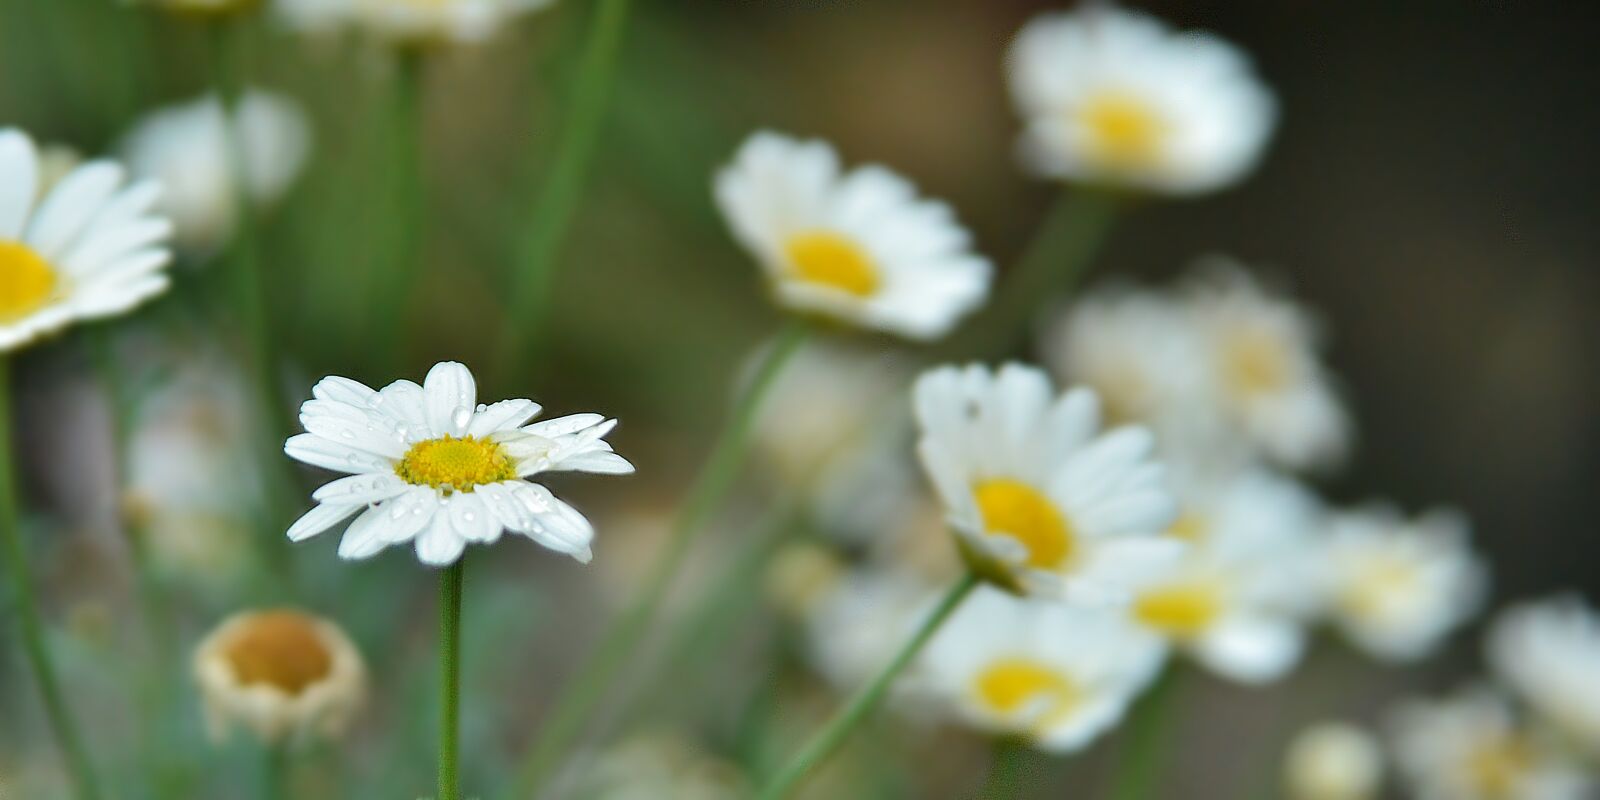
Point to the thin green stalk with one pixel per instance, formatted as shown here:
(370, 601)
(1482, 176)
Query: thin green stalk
(1005, 773)
(27, 611)
(716, 477)
(1140, 765)
(450, 679)
(827, 740)
(394, 276)
(551, 216)
(275, 772)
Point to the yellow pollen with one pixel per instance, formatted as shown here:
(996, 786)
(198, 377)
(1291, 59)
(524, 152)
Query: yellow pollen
(1180, 610)
(26, 281)
(458, 464)
(1125, 131)
(831, 260)
(279, 649)
(1018, 510)
(1013, 685)
(1255, 363)
(1498, 768)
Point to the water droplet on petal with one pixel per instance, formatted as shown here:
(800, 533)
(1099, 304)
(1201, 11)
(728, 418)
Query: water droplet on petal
(461, 416)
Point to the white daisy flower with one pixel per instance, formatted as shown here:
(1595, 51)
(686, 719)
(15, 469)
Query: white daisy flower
(90, 248)
(427, 463)
(188, 148)
(858, 246)
(1471, 747)
(822, 405)
(860, 621)
(1333, 761)
(1261, 354)
(1241, 597)
(662, 765)
(1040, 500)
(409, 22)
(1118, 98)
(1056, 675)
(1397, 587)
(284, 675)
(1549, 652)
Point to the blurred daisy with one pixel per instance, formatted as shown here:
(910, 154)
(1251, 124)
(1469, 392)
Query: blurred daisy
(860, 620)
(1470, 747)
(821, 405)
(662, 765)
(1333, 761)
(188, 148)
(1397, 587)
(1055, 675)
(1117, 98)
(1549, 652)
(1239, 601)
(1040, 500)
(89, 248)
(858, 246)
(284, 675)
(1261, 355)
(409, 22)
(427, 463)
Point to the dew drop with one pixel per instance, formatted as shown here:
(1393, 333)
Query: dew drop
(461, 416)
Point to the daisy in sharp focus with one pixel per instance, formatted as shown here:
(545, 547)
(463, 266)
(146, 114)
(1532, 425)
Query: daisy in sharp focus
(1241, 597)
(1472, 747)
(87, 248)
(428, 463)
(1056, 675)
(860, 246)
(1118, 98)
(1040, 500)
(187, 148)
(1398, 586)
(1549, 653)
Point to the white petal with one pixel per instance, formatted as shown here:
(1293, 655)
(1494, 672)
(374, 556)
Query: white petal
(437, 544)
(361, 489)
(320, 518)
(359, 432)
(561, 426)
(319, 452)
(601, 462)
(70, 206)
(364, 538)
(562, 528)
(451, 394)
(503, 415)
(19, 181)
(471, 520)
(343, 390)
(410, 512)
(1253, 650)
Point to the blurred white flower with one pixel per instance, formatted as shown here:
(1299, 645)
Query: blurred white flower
(822, 405)
(188, 148)
(1333, 761)
(859, 246)
(431, 464)
(408, 22)
(1117, 98)
(860, 620)
(1397, 587)
(1056, 675)
(1240, 599)
(89, 248)
(1040, 500)
(1471, 747)
(284, 675)
(662, 766)
(1549, 652)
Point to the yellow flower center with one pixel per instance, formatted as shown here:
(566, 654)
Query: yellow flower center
(456, 464)
(1497, 768)
(280, 649)
(1018, 510)
(831, 260)
(1125, 131)
(1190, 528)
(26, 281)
(1013, 685)
(1180, 610)
(1379, 586)
(1255, 363)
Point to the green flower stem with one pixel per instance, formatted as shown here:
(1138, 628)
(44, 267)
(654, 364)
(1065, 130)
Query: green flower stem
(394, 275)
(1006, 772)
(27, 611)
(566, 720)
(551, 215)
(826, 741)
(450, 679)
(1140, 764)
(275, 772)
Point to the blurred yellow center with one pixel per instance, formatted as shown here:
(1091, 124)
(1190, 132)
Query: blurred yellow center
(279, 649)
(1379, 586)
(831, 260)
(1018, 510)
(459, 464)
(1126, 132)
(1189, 527)
(1180, 610)
(1255, 363)
(1498, 768)
(26, 281)
(1014, 685)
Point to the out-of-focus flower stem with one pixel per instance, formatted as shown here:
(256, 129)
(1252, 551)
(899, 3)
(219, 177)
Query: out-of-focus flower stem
(566, 720)
(1005, 773)
(250, 299)
(27, 611)
(1140, 764)
(275, 772)
(450, 581)
(832, 735)
(394, 277)
(551, 215)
